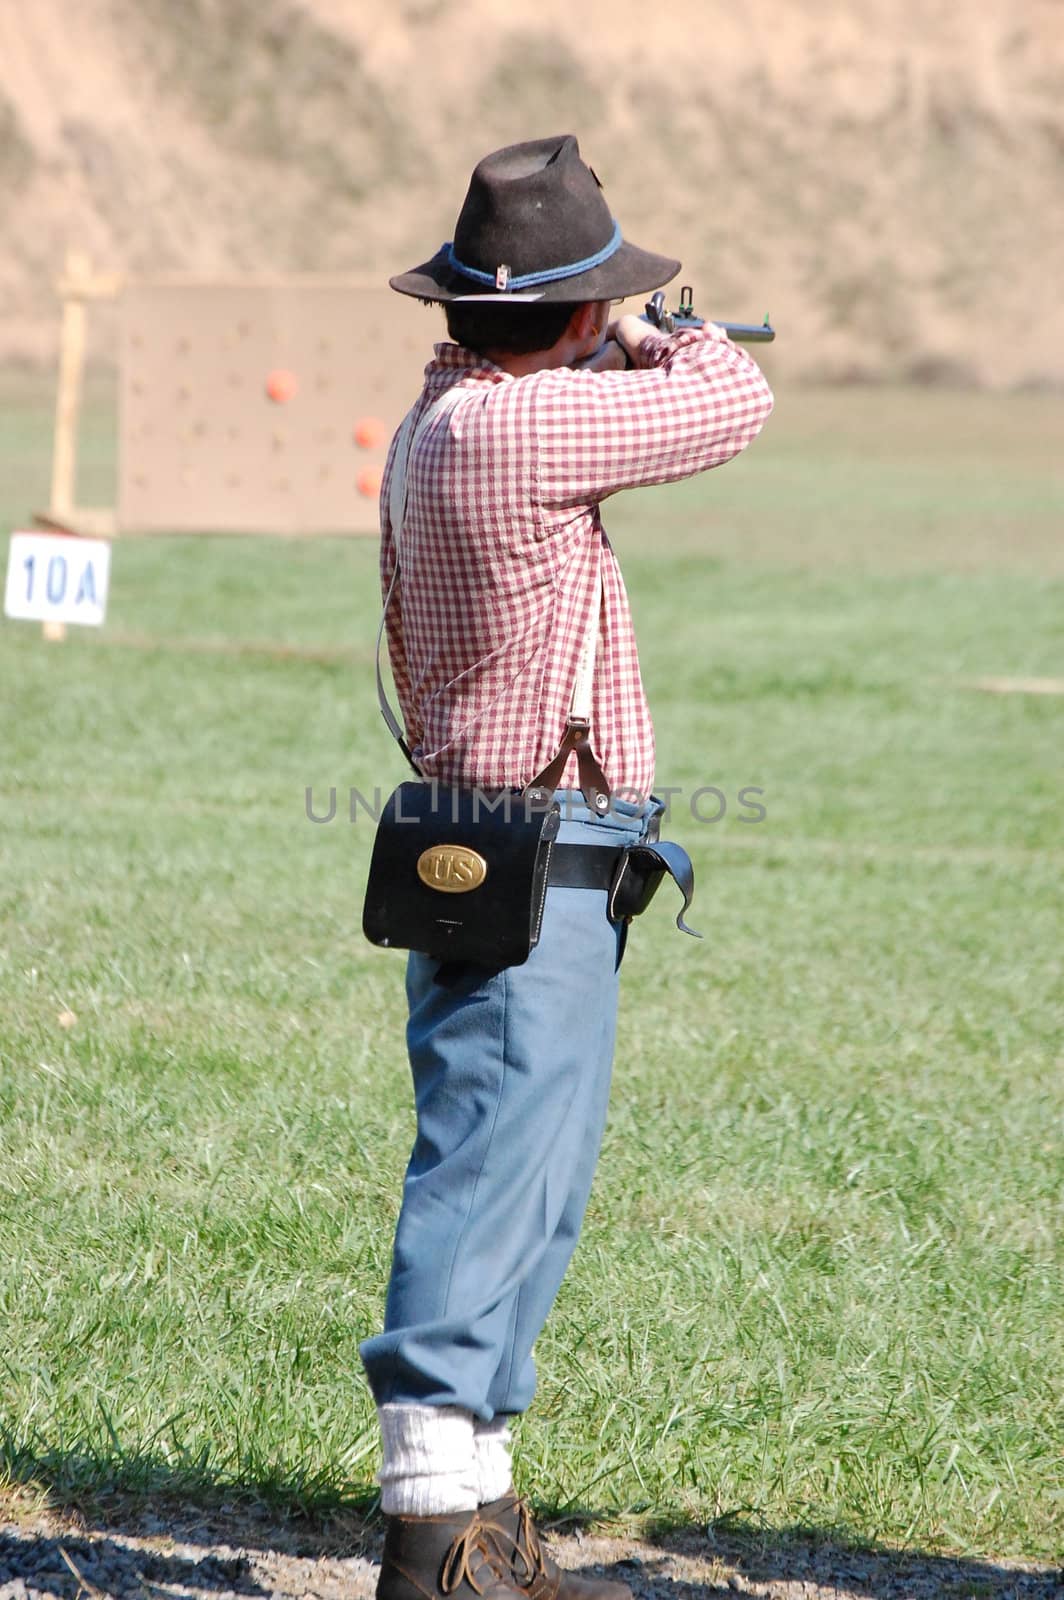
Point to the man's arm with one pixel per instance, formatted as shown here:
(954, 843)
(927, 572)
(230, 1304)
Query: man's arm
(695, 402)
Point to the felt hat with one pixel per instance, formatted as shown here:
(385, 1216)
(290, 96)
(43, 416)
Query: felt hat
(535, 226)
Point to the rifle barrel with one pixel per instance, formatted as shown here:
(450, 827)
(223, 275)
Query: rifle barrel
(749, 332)
(740, 332)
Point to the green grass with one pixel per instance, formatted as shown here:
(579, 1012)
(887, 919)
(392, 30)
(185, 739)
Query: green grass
(821, 1277)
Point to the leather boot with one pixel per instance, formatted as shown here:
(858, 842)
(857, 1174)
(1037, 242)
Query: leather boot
(529, 1566)
(454, 1556)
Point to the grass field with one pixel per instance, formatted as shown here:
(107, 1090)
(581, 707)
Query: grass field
(820, 1283)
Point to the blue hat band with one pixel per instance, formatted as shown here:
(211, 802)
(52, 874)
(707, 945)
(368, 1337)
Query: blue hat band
(501, 279)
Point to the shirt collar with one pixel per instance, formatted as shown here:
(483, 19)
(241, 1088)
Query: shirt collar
(452, 361)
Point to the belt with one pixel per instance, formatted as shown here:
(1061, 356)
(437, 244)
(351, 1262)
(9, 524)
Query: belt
(583, 866)
(631, 888)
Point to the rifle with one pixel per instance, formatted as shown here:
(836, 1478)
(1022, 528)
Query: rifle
(684, 317)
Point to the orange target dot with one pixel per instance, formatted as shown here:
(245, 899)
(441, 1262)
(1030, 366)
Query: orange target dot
(369, 481)
(370, 433)
(281, 386)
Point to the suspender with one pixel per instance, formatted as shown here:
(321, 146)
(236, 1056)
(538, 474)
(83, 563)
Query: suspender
(576, 738)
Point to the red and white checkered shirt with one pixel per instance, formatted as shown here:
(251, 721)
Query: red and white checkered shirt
(502, 544)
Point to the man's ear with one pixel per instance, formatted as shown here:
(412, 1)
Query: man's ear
(586, 327)
(585, 324)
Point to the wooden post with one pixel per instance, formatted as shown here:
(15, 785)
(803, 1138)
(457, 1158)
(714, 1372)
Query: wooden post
(68, 405)
(76, 287)
(68, 390)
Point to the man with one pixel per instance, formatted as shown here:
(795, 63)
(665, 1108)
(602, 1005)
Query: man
(504, 570)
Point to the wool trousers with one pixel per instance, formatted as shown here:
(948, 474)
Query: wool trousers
(511, 1072)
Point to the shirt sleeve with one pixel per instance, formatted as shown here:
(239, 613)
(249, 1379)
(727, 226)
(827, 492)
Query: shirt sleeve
(696, 405)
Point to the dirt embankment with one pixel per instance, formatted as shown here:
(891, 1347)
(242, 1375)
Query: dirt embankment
(884, 176)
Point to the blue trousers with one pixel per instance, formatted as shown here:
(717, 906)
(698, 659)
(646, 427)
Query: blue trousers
(511, 1074)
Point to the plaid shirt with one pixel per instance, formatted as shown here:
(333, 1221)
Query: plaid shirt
(502, 543)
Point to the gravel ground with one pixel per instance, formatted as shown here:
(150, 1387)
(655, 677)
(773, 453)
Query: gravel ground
(71, 1557)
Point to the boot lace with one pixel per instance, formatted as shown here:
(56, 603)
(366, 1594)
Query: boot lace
(520, 1552)
(473, 1558)
(528, 1562)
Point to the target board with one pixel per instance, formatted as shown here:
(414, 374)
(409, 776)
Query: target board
(263, 408)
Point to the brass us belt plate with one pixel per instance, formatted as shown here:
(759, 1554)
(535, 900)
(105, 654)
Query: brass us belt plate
(451, 868)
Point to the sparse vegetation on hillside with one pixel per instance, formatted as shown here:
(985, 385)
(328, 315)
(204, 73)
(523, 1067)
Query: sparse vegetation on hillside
(16, 153)
(275, 86)
(884, 190)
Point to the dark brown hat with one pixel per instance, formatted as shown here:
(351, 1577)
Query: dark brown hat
(535, 226)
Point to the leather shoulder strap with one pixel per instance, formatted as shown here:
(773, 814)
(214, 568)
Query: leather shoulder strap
(409, 433)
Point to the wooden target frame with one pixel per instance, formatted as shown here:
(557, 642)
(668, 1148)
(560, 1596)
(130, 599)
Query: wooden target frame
(256, 406)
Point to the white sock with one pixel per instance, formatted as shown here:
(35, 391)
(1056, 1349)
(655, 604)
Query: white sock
(430, 1463)
(491, 1441)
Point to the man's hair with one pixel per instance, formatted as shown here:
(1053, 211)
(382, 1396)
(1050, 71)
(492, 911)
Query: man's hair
(516, 329)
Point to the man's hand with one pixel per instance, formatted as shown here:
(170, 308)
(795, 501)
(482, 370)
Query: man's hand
(629, 332)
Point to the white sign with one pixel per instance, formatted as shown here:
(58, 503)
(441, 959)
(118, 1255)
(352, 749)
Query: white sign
(55, 577)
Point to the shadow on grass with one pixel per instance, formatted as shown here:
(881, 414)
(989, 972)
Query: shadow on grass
(674, 1560)
(68, 1528)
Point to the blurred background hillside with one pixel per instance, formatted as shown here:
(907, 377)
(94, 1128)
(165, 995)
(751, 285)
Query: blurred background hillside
(885, 176)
